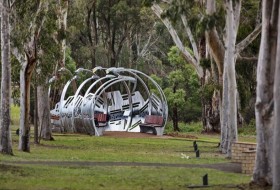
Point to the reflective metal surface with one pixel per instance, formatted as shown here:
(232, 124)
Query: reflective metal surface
(116, 100)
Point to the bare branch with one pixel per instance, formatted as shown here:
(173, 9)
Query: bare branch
(191, 38)
(187, 55)
(252, 59)
(167, 1)
(214, 41)
(248, 40)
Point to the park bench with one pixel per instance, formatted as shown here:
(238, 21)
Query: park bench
(152, 123)
(55, 117)
(100, 120)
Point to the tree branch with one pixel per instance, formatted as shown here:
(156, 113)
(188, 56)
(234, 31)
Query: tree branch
(248, 40)
(190, 35)
(187, 55)
(214, 41)
(240, 58)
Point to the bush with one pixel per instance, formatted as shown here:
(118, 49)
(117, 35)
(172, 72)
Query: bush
(194, 127)
(248, 129)
(15, 115)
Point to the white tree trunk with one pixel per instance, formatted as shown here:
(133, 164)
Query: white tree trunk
(28, 60)
(229, 62)
(264, 101)
(24, 129)
(224, 113)
(5, 131)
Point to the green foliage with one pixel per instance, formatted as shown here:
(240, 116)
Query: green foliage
(69, 62)
(175, 99)
(206, 91)
(192, 127)
(175, 57)
(15, 115)
(248, 129)
(246, 85)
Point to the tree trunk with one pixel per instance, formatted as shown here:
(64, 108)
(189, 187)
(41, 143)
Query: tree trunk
(25, 78)
(224, 113)
(62, 26)
(44, 113)
(264, 102)
(276, 145)
(276, 137)
(92, 32)
(229, 62)
(5, 131)
(175, 118)
(36, 133)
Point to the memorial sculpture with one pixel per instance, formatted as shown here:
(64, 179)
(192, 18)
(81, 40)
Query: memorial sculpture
(117, 99)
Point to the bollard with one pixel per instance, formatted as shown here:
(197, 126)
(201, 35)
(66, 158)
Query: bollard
(205, 179)
(197, 153)
(195, 147)
(194, 143)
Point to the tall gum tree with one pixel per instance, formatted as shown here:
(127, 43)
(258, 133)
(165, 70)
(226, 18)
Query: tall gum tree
(5, 124)
(224, 57)
(262, 174)
(27, 56)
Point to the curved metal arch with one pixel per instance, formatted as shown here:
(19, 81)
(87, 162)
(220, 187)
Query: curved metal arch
(163, 98)
(102, 89)
(98, 81)
(62, 98)
(121, 69)
(89, 112)
(76, 95)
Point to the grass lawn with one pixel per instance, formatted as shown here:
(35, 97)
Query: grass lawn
(83, 148)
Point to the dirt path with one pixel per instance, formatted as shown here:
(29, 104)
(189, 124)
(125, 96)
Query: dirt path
(227, 167)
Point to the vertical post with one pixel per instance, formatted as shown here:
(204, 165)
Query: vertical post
(205, 180)
(197, 154)
(195, 147)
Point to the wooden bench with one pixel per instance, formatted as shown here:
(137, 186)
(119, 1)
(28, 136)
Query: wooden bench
(55, 117)
(152, 123)
(100, 121)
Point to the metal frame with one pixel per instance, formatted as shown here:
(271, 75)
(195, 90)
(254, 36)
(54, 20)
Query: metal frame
(125, 111)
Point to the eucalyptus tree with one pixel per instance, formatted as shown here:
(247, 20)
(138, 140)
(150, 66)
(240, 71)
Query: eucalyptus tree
(120, 33)
(62, 13)
(5, 118)
(117, 19)
(49, 51)
(27, 23)
(223, 48)
(267, 101)
(225, 57)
